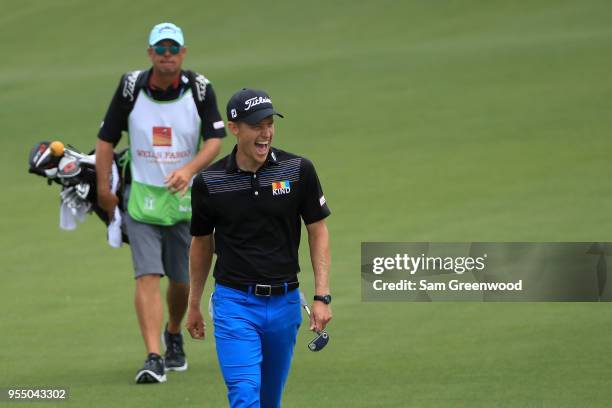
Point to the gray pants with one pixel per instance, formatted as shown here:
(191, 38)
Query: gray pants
(157, 249)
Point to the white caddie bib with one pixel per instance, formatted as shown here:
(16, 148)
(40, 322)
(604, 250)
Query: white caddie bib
(164, 136)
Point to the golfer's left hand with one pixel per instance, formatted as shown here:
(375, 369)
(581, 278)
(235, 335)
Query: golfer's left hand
(178, 180)
(320, 315)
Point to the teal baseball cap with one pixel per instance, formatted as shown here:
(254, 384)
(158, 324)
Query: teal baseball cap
(166, 31)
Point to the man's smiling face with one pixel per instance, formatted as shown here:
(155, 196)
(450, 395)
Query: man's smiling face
(254, 141)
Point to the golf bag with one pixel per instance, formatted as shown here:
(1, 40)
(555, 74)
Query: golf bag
(76, 173)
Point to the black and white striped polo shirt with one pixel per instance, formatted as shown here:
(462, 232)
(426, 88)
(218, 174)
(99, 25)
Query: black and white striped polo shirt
(257, 217)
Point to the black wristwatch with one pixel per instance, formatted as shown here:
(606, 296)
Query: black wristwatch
(325, 299)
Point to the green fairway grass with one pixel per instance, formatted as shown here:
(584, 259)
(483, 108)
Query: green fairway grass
(427, 121)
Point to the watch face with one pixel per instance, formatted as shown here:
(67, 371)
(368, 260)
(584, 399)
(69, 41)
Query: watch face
(325, 299)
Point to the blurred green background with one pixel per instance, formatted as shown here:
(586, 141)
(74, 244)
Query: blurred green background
(427, 121)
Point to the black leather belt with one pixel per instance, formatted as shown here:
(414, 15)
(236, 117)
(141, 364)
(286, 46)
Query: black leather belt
(263, 290)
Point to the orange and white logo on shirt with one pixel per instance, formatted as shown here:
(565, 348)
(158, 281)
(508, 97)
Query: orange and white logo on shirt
(162, 136)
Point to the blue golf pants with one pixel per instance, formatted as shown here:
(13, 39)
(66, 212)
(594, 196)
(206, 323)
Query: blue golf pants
(255, 337)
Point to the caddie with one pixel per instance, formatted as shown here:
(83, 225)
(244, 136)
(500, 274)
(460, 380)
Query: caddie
(175, 130)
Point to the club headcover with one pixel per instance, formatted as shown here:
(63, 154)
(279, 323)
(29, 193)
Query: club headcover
(42, 162)
(319, 342)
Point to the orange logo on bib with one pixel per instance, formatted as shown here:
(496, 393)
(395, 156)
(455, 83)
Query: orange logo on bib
(162, 136)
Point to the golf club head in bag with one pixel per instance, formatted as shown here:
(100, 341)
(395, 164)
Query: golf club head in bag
(322, 338)
(68, 168)
(76, 173)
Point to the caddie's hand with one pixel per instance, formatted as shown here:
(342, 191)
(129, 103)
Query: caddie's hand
(195, 324)
(178, 180)
(320, 315)
(108, 201)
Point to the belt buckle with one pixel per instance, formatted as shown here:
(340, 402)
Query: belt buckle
(268, 287)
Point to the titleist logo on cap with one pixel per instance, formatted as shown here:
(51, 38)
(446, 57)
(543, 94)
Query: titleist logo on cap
(249, 103)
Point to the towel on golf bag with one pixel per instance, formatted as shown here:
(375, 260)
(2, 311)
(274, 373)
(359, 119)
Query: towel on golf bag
(114, 228)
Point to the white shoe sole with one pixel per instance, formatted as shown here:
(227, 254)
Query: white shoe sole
(148, 377)
(181, 368)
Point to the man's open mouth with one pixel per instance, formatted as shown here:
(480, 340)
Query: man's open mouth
(262, 147)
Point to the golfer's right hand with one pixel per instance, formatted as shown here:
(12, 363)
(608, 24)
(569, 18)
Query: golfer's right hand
(195, 324)
(108, 201)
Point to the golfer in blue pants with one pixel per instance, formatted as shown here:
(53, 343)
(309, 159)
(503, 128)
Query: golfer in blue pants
(248, 209)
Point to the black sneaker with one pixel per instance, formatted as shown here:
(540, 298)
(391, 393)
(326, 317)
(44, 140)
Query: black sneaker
(153, 370)
(175, 355)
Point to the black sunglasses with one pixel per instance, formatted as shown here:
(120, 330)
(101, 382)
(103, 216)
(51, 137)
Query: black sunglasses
(161, 49)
